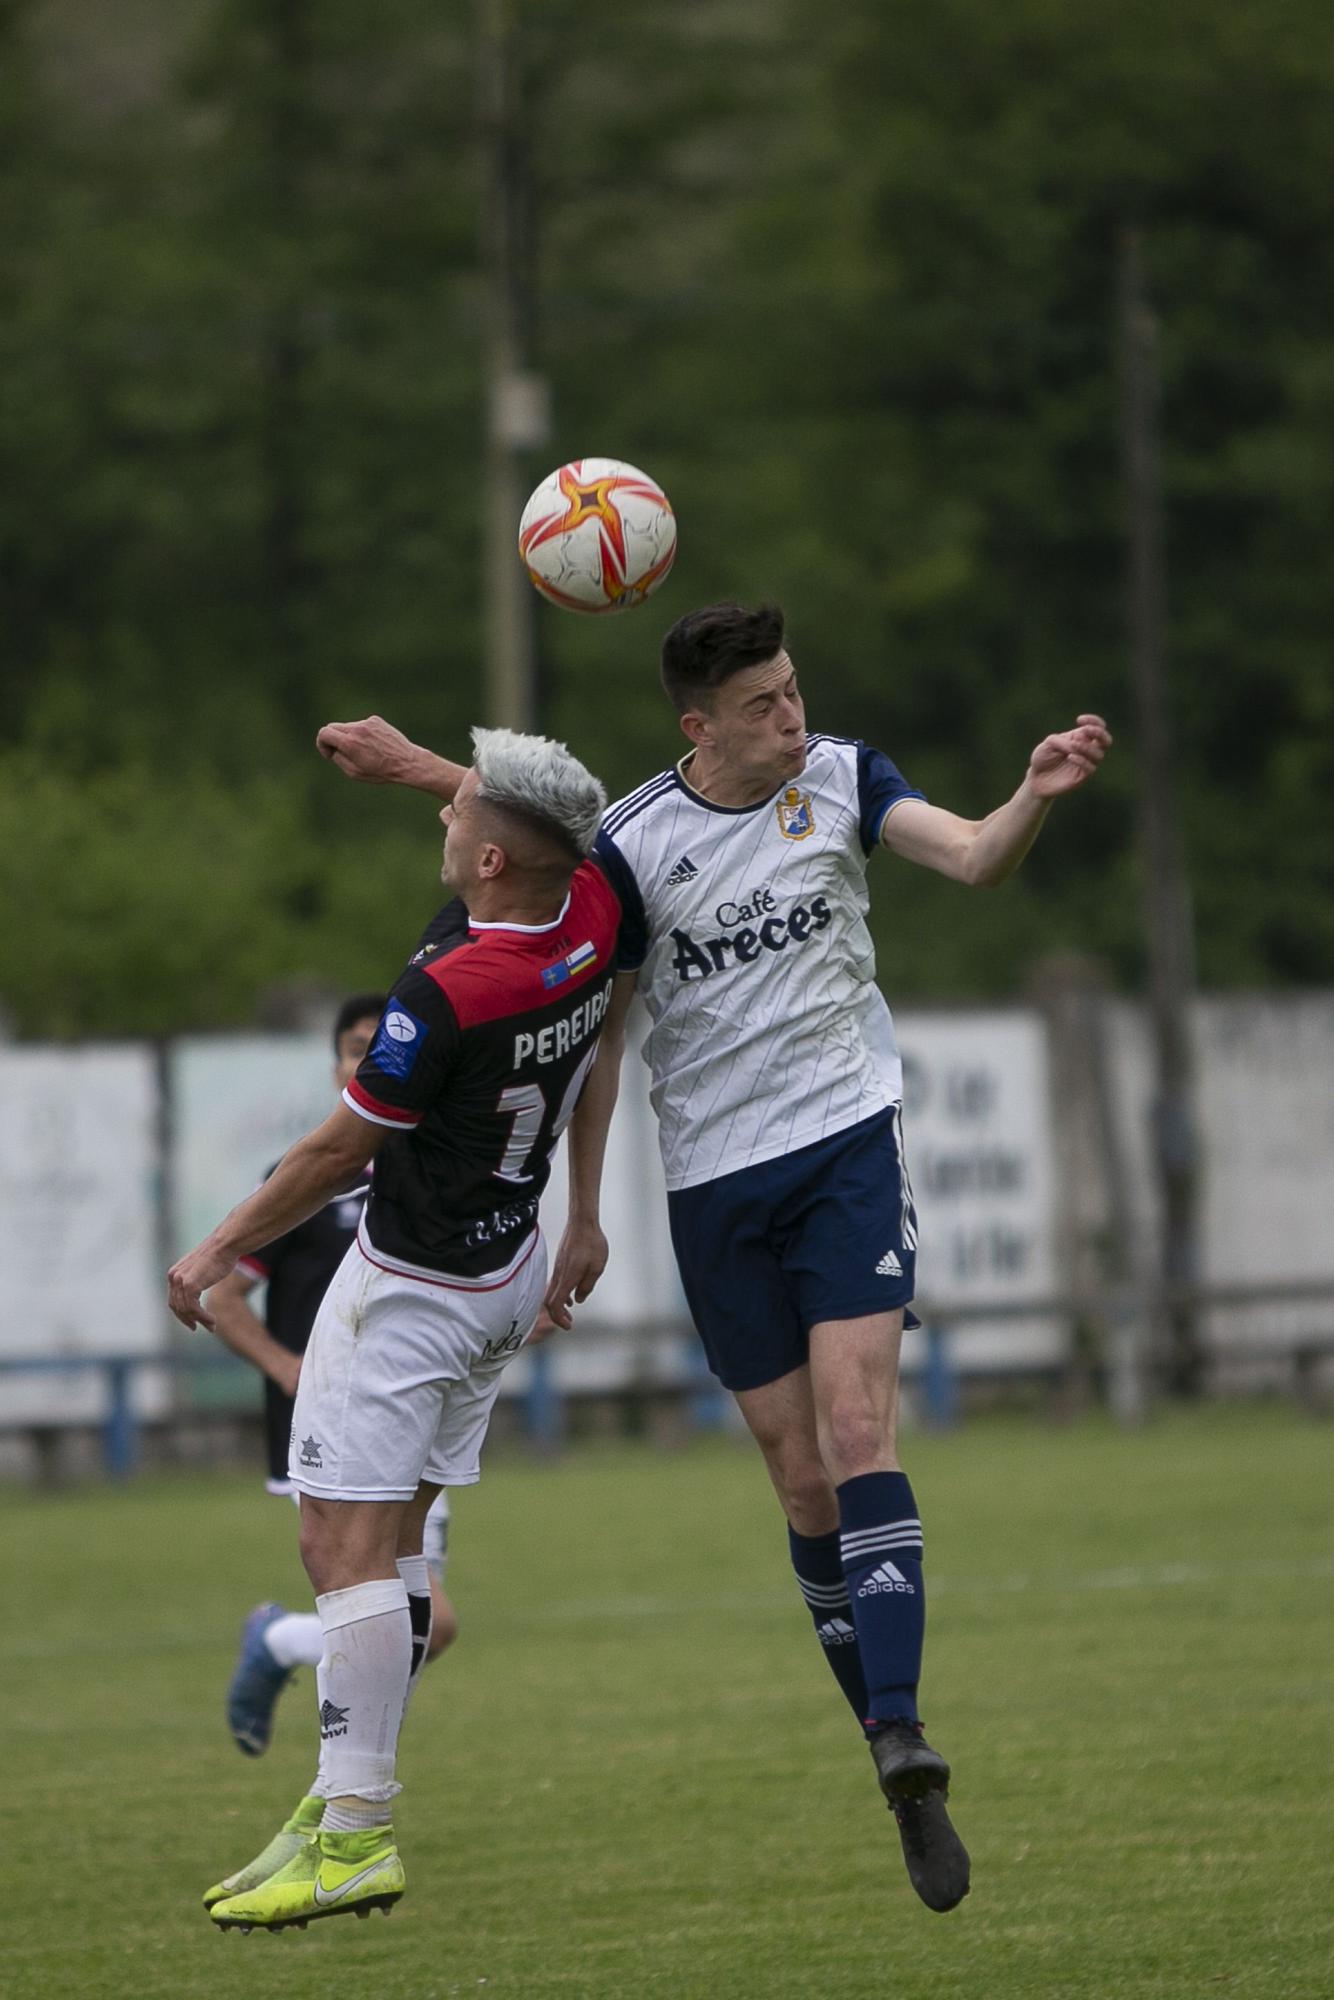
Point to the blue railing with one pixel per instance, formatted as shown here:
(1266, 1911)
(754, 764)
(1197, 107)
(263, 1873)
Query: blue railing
(543, 1398)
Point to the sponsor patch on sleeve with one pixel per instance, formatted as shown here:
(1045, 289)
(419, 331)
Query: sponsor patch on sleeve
(398, 1040)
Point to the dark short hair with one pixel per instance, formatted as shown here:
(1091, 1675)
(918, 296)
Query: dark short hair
(707, 647)
(357, 1007)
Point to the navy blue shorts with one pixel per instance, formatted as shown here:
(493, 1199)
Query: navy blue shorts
(765, 1254)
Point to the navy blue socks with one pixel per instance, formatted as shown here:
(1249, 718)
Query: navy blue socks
(819, 1567)
(880, 1539)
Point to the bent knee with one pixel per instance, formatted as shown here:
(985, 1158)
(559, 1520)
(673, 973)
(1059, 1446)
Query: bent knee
(805, 1493)
(857, 1443)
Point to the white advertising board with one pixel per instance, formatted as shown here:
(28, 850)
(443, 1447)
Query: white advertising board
(1266, 1113)
(1264, 1117)
(238, 1102)
(78, 1221)
(977, 1126)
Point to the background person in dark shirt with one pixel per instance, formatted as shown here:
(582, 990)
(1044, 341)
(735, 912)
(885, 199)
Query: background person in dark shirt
(297, 1268)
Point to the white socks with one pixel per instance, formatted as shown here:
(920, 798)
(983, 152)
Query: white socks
(416, 1575)
(296, 1639)
(362, 1683)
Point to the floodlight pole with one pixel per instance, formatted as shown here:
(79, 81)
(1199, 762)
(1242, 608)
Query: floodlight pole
(1167, 922)
(516, 404)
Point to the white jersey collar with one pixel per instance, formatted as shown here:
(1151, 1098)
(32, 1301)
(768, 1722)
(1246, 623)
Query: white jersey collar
(712, 805)
(529, 930)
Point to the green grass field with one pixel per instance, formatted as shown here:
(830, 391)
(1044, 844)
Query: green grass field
(633, 1776)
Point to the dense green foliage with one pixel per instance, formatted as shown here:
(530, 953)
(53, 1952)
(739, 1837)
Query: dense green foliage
(843, 280)
(634, 1776)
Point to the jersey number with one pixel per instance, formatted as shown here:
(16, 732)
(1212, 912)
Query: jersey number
(525, 1105)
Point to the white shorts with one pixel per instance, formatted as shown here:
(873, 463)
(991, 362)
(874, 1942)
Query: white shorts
(401, 1373)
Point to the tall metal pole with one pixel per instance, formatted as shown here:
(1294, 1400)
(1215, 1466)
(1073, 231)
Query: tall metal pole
(286, 360)
(517, 418)
(517, 422)
(1166, 900)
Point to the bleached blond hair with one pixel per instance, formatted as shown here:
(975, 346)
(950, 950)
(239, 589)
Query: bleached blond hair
(541, 782)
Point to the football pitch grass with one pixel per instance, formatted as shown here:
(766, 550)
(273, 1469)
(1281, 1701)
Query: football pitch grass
(634, 1776)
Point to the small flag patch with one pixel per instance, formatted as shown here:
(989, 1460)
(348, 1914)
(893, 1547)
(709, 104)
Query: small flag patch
(574, 962)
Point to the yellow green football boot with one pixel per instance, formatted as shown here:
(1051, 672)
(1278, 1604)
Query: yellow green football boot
(298, 1832)
(333, 1875)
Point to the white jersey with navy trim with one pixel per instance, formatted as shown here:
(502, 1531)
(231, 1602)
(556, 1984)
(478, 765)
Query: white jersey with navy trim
(748, 928)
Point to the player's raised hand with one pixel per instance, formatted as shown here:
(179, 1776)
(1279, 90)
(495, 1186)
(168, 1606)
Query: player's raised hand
(372, 751)
(1064, 761)
(376, 753)
(190, 1278)
(580, 1262)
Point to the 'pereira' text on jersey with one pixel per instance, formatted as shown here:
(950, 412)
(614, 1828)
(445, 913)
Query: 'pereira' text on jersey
(477, 1064)
(748, 927)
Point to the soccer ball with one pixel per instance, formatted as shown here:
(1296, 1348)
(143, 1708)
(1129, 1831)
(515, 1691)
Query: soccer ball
(597, 535)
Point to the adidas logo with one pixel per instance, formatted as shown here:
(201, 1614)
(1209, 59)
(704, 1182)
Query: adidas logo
(889, 1266)
(885, 1579)
(837, 1632)
(333, 1721)
(684, 871)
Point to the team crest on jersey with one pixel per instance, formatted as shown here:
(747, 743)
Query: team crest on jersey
(796, 815)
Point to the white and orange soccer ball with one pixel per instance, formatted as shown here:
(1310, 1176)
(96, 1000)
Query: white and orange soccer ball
(597, 535)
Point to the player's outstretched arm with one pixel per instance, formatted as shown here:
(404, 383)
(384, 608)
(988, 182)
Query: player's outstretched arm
(308, 1175)
(985, 852)
(582, 1256)
(237, 1328)
(375, 753)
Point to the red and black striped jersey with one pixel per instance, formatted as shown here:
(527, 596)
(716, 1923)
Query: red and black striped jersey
(477, 1063)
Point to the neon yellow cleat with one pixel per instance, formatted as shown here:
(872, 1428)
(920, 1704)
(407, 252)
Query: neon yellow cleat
(334, 1875)
(298, 1832)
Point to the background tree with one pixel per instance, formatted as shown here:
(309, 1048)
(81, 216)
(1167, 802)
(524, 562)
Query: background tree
(844, 282)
